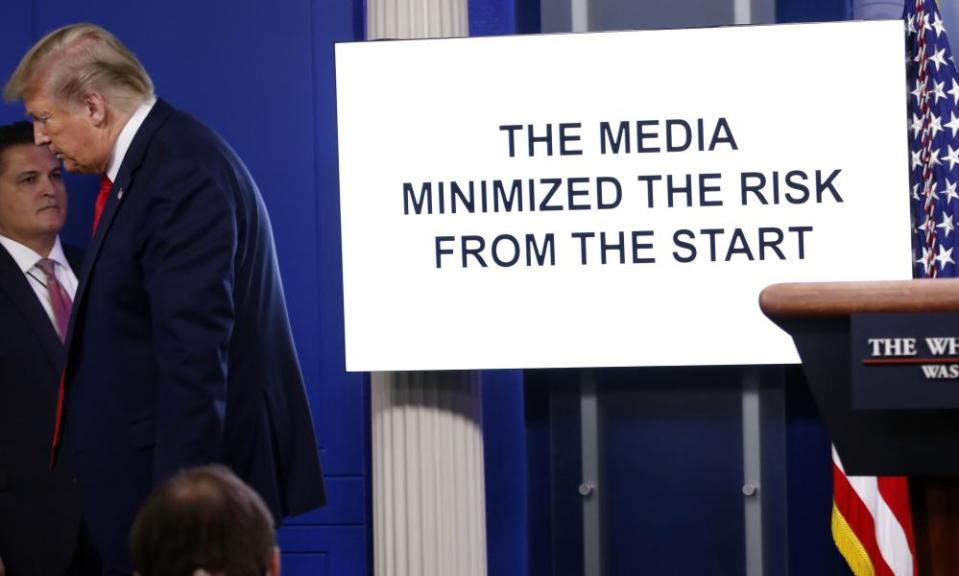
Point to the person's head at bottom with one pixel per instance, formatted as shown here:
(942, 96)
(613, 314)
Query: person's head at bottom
(202, 521)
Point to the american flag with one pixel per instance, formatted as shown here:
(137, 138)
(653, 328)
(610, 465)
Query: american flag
(872, 521)
(933, 139)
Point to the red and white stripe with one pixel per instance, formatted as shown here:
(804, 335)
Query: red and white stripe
(872, 523)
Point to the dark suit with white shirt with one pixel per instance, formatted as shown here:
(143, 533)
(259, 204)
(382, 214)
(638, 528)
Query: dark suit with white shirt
(39, 507)
(180, 351)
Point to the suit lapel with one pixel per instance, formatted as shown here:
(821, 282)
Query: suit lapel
(17, 288)
(74, 258)
(131, 162)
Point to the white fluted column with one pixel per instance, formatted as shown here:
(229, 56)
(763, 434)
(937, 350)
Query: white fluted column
(429, 505)
(429, 496)
(404, 19)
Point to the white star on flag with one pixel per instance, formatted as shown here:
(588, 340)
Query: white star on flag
(944, 257)
(937, 89)
(916, 125)
(953, 124)
(937, 26)
(926, 259)
(951, 191)
(935, 124)
(934, 159)
(954, 92)
(920, 91)
(947, 226)
(939, 58)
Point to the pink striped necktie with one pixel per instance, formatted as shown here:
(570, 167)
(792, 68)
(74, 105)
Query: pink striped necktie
(60, 301)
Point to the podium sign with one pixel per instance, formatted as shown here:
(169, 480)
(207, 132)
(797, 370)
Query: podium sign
(905, 361)
(613, 199)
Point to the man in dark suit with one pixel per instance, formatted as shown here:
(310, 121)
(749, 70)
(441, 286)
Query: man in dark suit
(179, 349)
(39, 507)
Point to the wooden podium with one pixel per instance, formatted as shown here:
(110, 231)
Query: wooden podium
(920, 443)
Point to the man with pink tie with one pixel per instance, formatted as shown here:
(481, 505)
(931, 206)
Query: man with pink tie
(39, 507)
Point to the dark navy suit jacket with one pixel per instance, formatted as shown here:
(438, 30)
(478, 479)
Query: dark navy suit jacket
(39, 507)
(179, 349)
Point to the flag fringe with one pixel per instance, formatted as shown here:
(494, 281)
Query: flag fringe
(849, 545)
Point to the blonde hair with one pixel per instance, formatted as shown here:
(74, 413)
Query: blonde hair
(77, 59)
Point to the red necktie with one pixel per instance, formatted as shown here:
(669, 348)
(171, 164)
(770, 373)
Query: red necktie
(61, 303)
(105, 186)
(59, 418)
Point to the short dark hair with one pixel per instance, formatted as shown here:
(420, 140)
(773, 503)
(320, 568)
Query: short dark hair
(205, 518)
(14, 134)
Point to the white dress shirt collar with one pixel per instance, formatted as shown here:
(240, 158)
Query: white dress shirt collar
(26, 258)
(126, 138)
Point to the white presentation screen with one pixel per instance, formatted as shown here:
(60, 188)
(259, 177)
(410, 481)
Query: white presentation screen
(613, 199)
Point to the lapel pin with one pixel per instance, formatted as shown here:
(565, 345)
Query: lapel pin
(120, 194)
